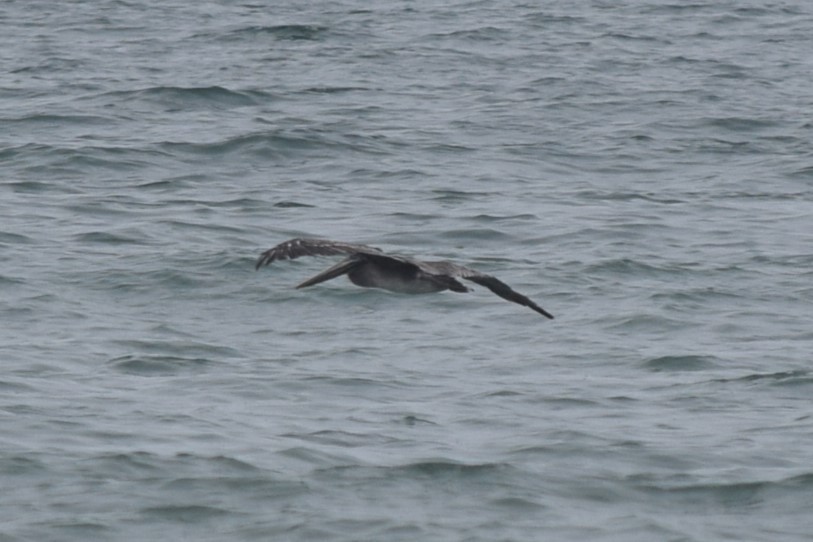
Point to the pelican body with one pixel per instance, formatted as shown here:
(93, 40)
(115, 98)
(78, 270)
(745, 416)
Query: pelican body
(369, 267)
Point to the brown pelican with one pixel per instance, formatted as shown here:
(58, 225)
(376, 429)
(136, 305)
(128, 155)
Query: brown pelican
(371, 268)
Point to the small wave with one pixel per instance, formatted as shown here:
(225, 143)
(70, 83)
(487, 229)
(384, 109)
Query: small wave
(567, 402)
(518, 504)
(640, 322)
(17, 465)
(483, 217)
(274, 144)
(220, 463)
(680, 363)
(740, 125)
(626, 266)
(545, 18)
(439, 468)
(733, 493)
(75, 161)
(450, 468)
(58, 120)
(15, 238)
(334, 90)
(141, 463)
(21, 151)
(166, 280)
(782, 378)
(190, 513)
(458, 196)
(157, 365)
(168, 185)
(132, 463)
(84, 529)
(317, 458)
(182, 225)
(484, 33)
(107, 238)
(621, 36)
(38, 187)
(180, 349)
(344, 439)
(411, 420)
(448, 148)
(349, 381)
(805, 172)
(499, 393)
(192, 97)
(15, 387)
(704, 295)
(475, 234)
(602, 195)
(289, 204)
(307, 32)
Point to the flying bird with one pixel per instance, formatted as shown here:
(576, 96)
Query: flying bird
(369, 267)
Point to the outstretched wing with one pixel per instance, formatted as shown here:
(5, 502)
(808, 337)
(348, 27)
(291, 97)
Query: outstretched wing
(342, 268)
(492, 283)
(296, 248)
(504, 291)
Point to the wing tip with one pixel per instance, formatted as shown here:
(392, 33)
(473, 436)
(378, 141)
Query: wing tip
(265, 259)
(542, 311)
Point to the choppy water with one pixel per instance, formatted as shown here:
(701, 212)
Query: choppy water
(643, 169)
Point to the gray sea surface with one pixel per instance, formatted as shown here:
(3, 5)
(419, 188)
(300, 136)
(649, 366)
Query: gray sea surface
(643, 169)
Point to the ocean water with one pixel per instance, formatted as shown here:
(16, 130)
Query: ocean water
(643, 169)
